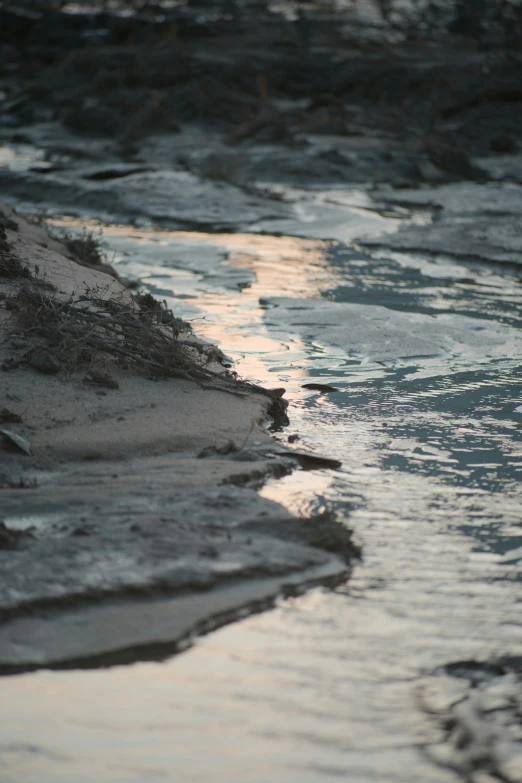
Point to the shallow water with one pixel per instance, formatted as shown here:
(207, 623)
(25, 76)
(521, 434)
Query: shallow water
(354, 684)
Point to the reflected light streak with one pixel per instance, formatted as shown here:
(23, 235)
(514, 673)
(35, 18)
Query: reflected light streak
(288, 265)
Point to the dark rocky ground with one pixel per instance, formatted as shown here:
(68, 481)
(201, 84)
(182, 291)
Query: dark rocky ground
(276, 98)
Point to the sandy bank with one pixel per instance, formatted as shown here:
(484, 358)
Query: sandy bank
(130, 517)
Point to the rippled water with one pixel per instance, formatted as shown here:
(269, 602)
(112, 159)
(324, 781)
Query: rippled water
(354, 684)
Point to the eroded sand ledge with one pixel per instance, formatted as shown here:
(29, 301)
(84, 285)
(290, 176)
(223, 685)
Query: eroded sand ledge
(144, 526)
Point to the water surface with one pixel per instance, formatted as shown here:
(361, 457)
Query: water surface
(425, 355)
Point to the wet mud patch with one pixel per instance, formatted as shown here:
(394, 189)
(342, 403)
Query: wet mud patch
(171, 197)
(469, 221)
(477, 707)
(147, 629)
(147, 540)
(144, 575)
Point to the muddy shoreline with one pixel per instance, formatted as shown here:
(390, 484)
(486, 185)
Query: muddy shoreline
(125, 492)
(205, 127)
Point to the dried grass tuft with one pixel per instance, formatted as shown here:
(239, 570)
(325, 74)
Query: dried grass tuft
(139, 335)
(87, 248)
(11, 267)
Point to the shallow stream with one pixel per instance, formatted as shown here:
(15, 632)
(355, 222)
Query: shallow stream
(372, 681)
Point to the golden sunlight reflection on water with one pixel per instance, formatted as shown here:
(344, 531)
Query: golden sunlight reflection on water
(283, 264)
